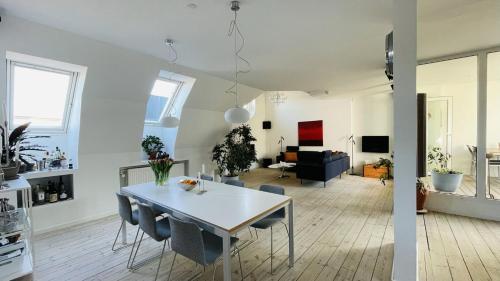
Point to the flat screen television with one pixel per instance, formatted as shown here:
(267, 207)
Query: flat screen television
(375, 144)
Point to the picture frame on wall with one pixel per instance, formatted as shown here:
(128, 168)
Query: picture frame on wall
(310, 133)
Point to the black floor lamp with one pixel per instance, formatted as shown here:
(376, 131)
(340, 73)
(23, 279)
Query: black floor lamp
(353, 142)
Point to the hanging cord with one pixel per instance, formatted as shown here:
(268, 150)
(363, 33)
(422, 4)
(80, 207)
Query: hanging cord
(235, 30)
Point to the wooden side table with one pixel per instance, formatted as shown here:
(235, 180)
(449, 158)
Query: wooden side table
(370, 172)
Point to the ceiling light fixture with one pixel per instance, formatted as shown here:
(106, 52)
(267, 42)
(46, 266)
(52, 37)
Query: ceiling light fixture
(236, 114)
(278, 98)
(171, 50)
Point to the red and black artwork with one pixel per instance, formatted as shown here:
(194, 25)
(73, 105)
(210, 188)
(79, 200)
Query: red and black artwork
(311, 133)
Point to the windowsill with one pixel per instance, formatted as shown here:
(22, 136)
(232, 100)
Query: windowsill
(48, 173)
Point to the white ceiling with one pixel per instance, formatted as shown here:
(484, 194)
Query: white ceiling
(304, 45)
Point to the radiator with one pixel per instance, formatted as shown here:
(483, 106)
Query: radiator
(140, 175)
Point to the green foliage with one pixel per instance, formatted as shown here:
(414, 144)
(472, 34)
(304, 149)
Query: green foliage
(236, 153)
(439, 159)
(20, 136)
(386, 163)
(152, 145)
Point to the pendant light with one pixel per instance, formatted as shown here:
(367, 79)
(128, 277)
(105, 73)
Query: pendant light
(170, 121)
(236, 114)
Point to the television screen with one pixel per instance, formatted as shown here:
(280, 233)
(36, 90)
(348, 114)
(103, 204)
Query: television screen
(376, 144)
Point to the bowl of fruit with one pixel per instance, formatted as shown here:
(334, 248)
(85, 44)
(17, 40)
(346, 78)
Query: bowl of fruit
(188, 184)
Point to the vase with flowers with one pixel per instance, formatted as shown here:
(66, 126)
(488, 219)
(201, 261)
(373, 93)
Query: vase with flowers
(161, 166)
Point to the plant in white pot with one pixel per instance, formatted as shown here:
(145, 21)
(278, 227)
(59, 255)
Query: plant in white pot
(443, 178)
(236, 154)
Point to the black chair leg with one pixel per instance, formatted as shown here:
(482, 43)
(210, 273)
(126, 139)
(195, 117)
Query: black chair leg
(161, 257)
(116, 238)
(172, 267)
(133, 246)
(137, 250)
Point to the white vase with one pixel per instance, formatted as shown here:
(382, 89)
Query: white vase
(446, 182)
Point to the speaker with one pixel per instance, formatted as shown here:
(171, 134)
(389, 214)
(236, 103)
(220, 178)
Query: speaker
(266, 125)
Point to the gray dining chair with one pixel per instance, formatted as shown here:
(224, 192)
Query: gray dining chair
(491, 163)
(272, 219)
(128, 215)
(158, 230)
(200, 246)
(207, 177)
(235, 183)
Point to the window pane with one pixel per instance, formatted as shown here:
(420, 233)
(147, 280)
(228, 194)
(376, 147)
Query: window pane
(451, 88)
(493, 126)
(161, 95)
(39, 97)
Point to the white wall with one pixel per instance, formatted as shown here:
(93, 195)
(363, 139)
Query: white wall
(256, 124)
(114, 100)
(372, 115)
(300, 106)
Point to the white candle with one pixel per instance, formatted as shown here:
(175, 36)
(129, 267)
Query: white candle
(203, 168)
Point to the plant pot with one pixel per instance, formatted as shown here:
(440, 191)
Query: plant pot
(223, 179)
(10, 173)
(421, 198)
(446, 182)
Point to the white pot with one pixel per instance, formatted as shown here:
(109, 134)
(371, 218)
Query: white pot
(226, 178)
(446, 182)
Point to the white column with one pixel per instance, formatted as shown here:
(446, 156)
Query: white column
(482, 167)
(405, 136)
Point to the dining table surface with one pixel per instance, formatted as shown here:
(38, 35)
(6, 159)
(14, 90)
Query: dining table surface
(216, 207)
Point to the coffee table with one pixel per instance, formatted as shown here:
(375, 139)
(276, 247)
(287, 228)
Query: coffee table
(282, 166)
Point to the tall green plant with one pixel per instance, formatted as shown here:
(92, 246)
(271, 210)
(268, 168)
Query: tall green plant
(236, 154)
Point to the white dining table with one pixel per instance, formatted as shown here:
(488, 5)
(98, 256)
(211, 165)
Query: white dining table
(223, 209)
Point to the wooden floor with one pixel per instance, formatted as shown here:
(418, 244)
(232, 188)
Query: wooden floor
(342, 232)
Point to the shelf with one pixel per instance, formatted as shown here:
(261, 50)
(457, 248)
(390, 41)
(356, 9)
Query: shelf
(47, 204)
(48, 173)
(16, 268)
(16, 185)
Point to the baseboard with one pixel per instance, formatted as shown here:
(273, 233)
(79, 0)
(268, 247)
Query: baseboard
(62, 226)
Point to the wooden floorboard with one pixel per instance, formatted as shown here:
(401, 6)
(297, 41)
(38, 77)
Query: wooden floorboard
(342, 232)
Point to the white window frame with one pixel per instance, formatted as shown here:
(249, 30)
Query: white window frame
(170, 104)
(14, 59)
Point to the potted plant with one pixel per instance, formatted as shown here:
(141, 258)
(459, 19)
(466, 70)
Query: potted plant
(236, 154)
(443, 178)
(152, 145)
(386, 163)
(422, 193)
(161, 166)
(19, 139)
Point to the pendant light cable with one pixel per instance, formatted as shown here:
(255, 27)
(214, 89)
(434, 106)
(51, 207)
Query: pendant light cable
(234, 30)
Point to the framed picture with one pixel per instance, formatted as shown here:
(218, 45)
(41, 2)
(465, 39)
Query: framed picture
(311, 133)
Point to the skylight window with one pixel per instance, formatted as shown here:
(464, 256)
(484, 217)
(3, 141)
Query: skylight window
(40, 95)
(161, 100)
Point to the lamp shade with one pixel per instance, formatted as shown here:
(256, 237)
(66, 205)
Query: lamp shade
(170, 122)
(237, 115)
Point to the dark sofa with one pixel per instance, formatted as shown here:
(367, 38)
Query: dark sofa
(321, 166)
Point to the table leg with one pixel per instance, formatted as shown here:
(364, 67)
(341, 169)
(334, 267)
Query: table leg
(226, 255)
(290, 235)
(124, 234)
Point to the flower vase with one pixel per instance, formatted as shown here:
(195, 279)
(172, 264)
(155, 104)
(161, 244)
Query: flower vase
(161, 178)
(161, 169)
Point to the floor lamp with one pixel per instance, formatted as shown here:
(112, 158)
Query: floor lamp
(353, 142)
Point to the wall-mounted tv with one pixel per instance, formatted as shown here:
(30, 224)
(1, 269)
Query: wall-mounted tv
(375, 144)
